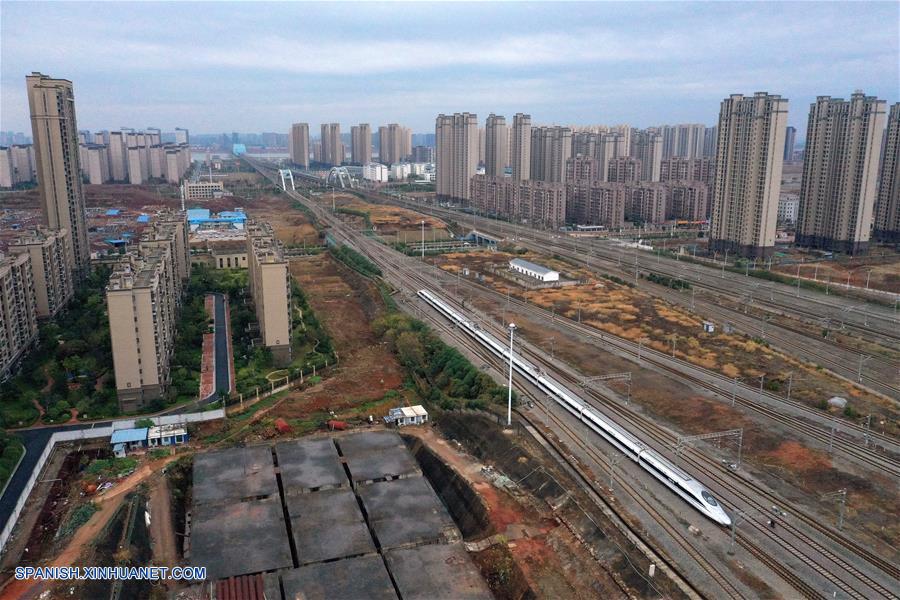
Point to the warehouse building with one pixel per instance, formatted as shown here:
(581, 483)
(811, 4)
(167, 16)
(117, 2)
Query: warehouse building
(533, 270)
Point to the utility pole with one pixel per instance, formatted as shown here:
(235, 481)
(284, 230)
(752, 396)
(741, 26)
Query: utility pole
(733, 390)
(841, 496)
(512, 329)
(423, 239)
(736, 518)
(862, 358)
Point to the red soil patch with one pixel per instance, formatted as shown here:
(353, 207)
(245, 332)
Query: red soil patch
(798, 457)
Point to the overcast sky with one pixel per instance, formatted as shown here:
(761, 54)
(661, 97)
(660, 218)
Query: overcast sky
(247, 67)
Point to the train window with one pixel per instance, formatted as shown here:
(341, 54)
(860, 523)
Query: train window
(708, 497)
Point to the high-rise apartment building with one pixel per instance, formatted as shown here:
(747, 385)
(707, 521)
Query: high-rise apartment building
(709, 142)
(646, 203)
(7, 170)
(18, 315)
(143, 297)
(332, 147)
(423, 154)
(539, 203)
(685, 140)
(394, 143)
(456, 154)
(582, 168)
(887, 209)
(118, 157)
(16, 165)
(646, 146)
(748, 174)
(840, 173)
(361, 144)
(688, 169)
(140, 299)
(596, 203)
(790, 136)
(51, 268)
(299, 144)
(624, 169)
(551, 148)
(496, 146)
(182, 136)
(270, 286)
(97, 163)
(687, 200)
(520, 147)
(55, 131)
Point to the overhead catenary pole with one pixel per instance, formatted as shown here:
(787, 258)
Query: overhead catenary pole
(512, 329)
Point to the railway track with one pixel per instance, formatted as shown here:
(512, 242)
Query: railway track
(390, 260)
(878, 374)
(604, 249)
(858, 452)
(741, 493)
(674, 533)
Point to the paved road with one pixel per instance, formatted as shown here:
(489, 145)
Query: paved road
(34, 441)
(223, 373)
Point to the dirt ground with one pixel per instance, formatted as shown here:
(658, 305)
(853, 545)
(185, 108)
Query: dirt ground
(543, 550)
(390, 220)
(633, 314)
(107, 502)
(885, 274)
(291, 227)
(346, 304)
(162, 530)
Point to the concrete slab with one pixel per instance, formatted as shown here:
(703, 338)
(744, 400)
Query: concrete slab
(436, 572)
(388, 463)
(239, 538)
(406, 511)
(368, 441)
(310, 465)
(234, 474)
(328, 524)
(272, 586)
(349, 579)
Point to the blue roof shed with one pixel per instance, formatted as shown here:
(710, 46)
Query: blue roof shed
(127, 436)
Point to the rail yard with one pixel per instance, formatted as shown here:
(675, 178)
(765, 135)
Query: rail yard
(770, 537)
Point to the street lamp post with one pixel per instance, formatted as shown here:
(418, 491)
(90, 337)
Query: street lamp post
(512, 329)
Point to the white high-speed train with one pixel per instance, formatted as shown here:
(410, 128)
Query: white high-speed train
(688, 488)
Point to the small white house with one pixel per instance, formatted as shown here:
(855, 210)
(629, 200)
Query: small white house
(533, 270)
(166, 435)
(407, 415)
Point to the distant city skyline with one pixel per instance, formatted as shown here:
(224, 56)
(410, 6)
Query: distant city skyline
(233, 66)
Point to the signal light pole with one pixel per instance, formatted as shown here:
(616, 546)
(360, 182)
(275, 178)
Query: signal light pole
(512, 329)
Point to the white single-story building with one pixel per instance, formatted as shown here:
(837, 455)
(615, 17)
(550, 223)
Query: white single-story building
(533, 270)
(407, 415)
(167, 435)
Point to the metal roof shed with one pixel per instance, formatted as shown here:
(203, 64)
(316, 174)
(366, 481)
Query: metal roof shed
(127, 436)
(533, 270)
